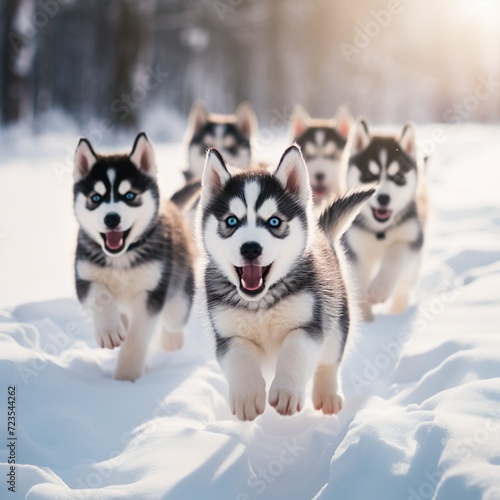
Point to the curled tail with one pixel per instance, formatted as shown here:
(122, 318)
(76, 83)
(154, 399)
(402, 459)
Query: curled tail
(187, 196)
(340, 213)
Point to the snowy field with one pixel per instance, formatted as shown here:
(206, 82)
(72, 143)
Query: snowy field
(422, 412)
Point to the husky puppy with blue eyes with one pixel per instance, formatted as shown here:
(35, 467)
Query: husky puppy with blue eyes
(134, 258)
(385, 241)
(274, 289)
(324, 144)
(231, 134)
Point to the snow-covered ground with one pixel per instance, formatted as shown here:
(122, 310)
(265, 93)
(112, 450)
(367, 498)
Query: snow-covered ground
(422, 412)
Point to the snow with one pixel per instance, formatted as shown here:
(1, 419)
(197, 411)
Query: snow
(422, 412)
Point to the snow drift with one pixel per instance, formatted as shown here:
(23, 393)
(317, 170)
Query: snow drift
(422, 412)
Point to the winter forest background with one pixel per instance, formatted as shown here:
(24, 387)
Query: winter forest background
(390, 60)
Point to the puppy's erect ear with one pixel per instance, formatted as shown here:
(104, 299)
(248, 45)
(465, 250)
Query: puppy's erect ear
(198, 116)
(246, 119)
(408, 139)
(338, 216)
(143, 155)
(361, 137)
(344, 121)
(84, 159)
(215, 175)
(300, 118)
(292, 173)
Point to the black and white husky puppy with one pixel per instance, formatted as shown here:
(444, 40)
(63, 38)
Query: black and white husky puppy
(273, 287)
(386, 239)
(231, 134)
(323, 143)
(134, 262)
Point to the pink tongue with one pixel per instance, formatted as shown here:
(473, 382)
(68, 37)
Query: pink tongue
(251, 278)
(114, 240)
(383, 214)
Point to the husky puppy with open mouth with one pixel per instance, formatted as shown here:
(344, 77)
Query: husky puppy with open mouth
(385, 241)
(231, 134)
(134, 260)
(274, 289)
(323, 143)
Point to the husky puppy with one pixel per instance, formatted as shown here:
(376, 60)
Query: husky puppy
(273, 287)
(134, 263)
(232, 135)
(323, 144)
(386, 239)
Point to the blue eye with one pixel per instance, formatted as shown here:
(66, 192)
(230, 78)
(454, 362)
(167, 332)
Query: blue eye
(95, 198)
(130, 196)
(232, 221)
(274, 222)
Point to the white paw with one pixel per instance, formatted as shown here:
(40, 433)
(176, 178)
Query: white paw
(400, 303)
(286, 398)
(129, 372)
(172, 341)
(328, 401)
(109, 333)
(248, 401)
(378, 292)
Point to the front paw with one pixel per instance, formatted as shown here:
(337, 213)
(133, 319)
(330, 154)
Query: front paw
(328, 401)
(287, 398)
(400, 303)
(128, 372)
(248, 400)
(378, 292)
(109, 333)
(172, 341)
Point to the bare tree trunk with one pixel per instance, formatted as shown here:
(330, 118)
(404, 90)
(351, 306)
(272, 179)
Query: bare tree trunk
(12, 83)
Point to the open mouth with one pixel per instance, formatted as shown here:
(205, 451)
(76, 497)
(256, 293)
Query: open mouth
(114, 241)
(252, 278)
(381, 214)
(319, 191)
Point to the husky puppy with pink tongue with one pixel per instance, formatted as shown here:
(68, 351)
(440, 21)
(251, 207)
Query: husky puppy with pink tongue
(274, 290)
(385, 242)
(134, 258)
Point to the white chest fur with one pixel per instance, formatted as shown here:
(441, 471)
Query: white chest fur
(266, 328)
(363, 241)
(122, 282)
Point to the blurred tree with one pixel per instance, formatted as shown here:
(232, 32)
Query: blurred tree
(90, 58)
(14, 81)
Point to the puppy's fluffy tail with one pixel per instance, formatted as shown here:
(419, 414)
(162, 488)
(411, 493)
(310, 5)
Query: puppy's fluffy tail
(186, 197)
(340, 213)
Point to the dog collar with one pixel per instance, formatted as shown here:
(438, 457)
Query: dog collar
(136, 244)
(358, 222)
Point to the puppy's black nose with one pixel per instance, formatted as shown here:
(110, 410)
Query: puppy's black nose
(251, 250)
(383, 199)
(112, 220)
(320, 176)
